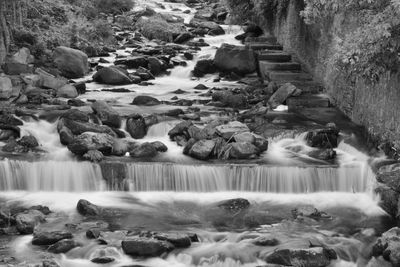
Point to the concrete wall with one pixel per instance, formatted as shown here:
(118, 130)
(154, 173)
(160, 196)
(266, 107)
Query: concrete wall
(375, 106)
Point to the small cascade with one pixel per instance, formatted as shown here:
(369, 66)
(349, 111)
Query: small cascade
(250, 178)
(65, 176)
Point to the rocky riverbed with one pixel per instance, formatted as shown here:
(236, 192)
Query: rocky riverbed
(171, 150)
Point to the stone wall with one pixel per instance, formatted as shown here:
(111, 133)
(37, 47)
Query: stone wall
(377, 107)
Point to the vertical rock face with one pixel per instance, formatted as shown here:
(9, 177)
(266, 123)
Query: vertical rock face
(238, 59)
(70, 62)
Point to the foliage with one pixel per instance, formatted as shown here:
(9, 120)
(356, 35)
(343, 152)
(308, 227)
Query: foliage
(114, 6)
(372, 48)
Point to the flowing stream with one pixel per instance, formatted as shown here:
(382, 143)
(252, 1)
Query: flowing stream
(178, 193)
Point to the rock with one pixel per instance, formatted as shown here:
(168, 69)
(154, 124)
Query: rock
(176, 239)
(323, 138)
(93, 233)
(93, 156)
(144, 100)
(202, 149)
(49, 238)
(180, 129)
(230, 100)
(389, 175)
(242, 150)
(78, 127)
(80, 87)
(203, 67)
(308, 211)
(201, 87)
(156, 27)
(6, 87)
(50, 263)
(112, 76)
(8, 119)
(67, 91)
(159, 146)
(26, 222)
(146, 247)
(246, 137)
(76, 103)
(266, 241)
(133, 62)
(312, 257)
(234, 205)
(76, 115)
(81, 144)
(388, 246)
(102, 260)
(188, 56)
(28, 141)
(323, 154)
(23, 56)
(227, 131)
(389, 199)
(136, 126)
(216, 31)
(260, 142)
(50, 81)
(238, 59)
(70, 62)
(106, 114)
(144, 150)
(155, 66)
(183, 37)
(86, 208)
(280, 96)
(15, 68)
(63, 246)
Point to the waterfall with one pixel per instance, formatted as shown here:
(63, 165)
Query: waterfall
(251, 178)
(66, 176)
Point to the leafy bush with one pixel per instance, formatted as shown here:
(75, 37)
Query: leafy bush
(114, 6)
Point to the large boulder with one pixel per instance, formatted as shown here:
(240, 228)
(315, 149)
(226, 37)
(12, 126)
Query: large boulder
(180, 129)
(238, 59)
(144, 150)
(242, 150)
(87, 141)
(145, 100)
(86, 208)
(136, 126)
(146, 247)
(234, 205)
(106, 114)
(312, 257)
(67, 91)
(203, 67)
(156, 27)
(280, 96)
(202, 149)
(177, 239)
(23, 56)
(323, 138)
(47, 80)
(78, 127)
(27, 221)
(112, 76)
(63, 246)
(227, 131)
(133, 62)
(388, 246)
(6, 87)
(49, 238)
(70, 62)
(390, 176)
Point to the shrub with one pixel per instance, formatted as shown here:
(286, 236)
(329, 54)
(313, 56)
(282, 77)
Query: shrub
(114, 6)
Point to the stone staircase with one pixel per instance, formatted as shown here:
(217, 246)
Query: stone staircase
(276, 65)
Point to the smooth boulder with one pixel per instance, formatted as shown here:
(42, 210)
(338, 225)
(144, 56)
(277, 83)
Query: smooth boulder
(26, 222)
(112, 76)
(312, 257)
(67, 91)
(49, 238)
(238, 59)
(146, 247)
(86, 208)
(227, 131)
(202, 149)
(136, 126)
(107, 115)
(70, 62)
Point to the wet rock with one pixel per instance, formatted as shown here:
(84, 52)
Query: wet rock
(238, 59)
(242, 150)
(389, 199)
(50, 263)
(9, 132)
(49, 238)
(67, 91)
(144, 100)
(87, 141)
(76, 115)
(266, 241)
(80, 87)
(202, 149)
(308, 211)
(203, 67)
(156, 27)
(323, 138)
(107, 115)
(201, 87)
(27, 221)
(227, 131)
(159, 146)
(78, 127)
(11, 67)
(144, 150)
(6, 87)
(180, 129)
(47, 80)
(227, 99)
(389, 175)
(312, 257)
(9, 119)
(146, 247)
(112, 76)
(136, 126)
(76, 103)
(93, 156)
(156, 66)
(244, 137)
(133, 62)
(388, 246)
(280, 96)
(63, 246)
(86, 208)
(93, 233)
(323, 154)
(102, 260)
(70, 62)
(176, 239)
(174, 112)
(260, 142)
(188, 56)
(234, 205)
(183, 37)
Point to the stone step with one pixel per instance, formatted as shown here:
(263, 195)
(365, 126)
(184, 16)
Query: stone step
(261, 39)
(264, 46)
(279, 66)
(274, 57)
(288, 76)
(307, 86)
(308, 101)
